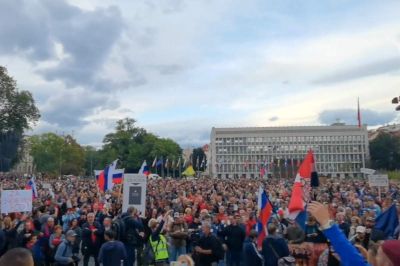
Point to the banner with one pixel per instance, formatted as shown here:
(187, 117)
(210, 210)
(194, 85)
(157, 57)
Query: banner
(16, 201)
(378, 180)
(134, 192)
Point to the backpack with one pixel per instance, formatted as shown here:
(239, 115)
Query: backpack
(118, 226)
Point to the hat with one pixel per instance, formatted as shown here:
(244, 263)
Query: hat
(70, 233)
(280, 212)
(360, 229)
(391, 248)
(176, 214)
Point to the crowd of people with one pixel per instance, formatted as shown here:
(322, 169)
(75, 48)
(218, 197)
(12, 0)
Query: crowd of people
(200, 222)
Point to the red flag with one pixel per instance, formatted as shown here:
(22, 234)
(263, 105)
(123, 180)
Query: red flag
(297, 203)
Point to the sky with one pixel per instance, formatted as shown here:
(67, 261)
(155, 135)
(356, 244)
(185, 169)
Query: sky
(181, 67)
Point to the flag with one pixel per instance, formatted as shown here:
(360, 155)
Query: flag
(144, 169)
(109, 176)
(262, 172)
(32, 185)
(184, 162)
(173, 164)
(203, 162)
(358, 113)
(178, 164)
(154, 162)
(189, 171)
(298, 200)
(286, 163)
(197, 162)
(264, 213)
(166, 163)
(387, 221)
(159, 162)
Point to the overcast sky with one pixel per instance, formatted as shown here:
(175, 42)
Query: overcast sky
(181, 67)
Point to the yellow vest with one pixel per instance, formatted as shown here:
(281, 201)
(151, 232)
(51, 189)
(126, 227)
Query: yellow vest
(160, 248)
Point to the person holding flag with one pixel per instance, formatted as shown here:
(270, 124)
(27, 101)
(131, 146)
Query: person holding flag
(32, 185)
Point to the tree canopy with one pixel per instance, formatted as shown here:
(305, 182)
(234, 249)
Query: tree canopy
(18, 112)
(53, 154)
(385, 152)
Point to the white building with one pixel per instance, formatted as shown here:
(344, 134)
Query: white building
(340, 150)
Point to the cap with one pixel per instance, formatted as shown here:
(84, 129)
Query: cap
(360, 229)
(391, 248)
(371, 219)
(70, 233)
(176, 214)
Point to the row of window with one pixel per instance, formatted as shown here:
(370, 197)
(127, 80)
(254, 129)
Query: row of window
(291, 149)
(321, 168)
(336, 138)
(260, 159)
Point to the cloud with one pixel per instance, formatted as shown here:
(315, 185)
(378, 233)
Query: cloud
(273, 119)
(70, 108)
(349, 116)
(370, 69)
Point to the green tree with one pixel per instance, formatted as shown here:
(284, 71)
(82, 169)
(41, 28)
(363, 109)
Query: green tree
(385, 152)
(132, 144)
(199, 160)
(18, 112)
(53, 154)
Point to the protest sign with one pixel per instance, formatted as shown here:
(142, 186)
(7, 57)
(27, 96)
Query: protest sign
(367, 171)
(16, 201)
(378, 180)
(134, 192)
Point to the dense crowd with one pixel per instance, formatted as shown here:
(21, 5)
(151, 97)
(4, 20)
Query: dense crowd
(202, 222)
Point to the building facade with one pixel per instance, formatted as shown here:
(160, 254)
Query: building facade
(340, 150)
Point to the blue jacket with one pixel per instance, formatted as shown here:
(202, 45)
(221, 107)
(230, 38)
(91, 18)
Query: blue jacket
(271, 245)
(347, 252)
(64, 253)
(251, 256)
(111, 253)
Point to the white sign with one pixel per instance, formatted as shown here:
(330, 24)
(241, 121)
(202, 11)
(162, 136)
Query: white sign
(46, 186)
(367, 171)
(134, 194)
(378, 180)
(16, 201)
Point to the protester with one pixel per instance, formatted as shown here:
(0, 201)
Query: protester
(251, 255)
(92, 234)
(64, 254)
(17, 257)
(112, 252)
(274, 247)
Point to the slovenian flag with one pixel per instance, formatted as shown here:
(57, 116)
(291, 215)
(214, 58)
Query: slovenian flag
(144, 169)
(300, 191)
(109, 176)
(264, 213)
(32, 185)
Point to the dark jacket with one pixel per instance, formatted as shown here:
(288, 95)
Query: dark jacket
(88, 246)
(207, 243)
(251, 256)
(111, 253)
(234, 236)
(274, 248)
(132, 229)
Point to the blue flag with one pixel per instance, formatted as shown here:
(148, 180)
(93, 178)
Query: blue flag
(387, 221)
(302, 218)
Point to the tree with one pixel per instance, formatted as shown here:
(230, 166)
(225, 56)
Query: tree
(385, 152)
(199, 159)
(18, 112)
(131, 145)
(53, 154)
